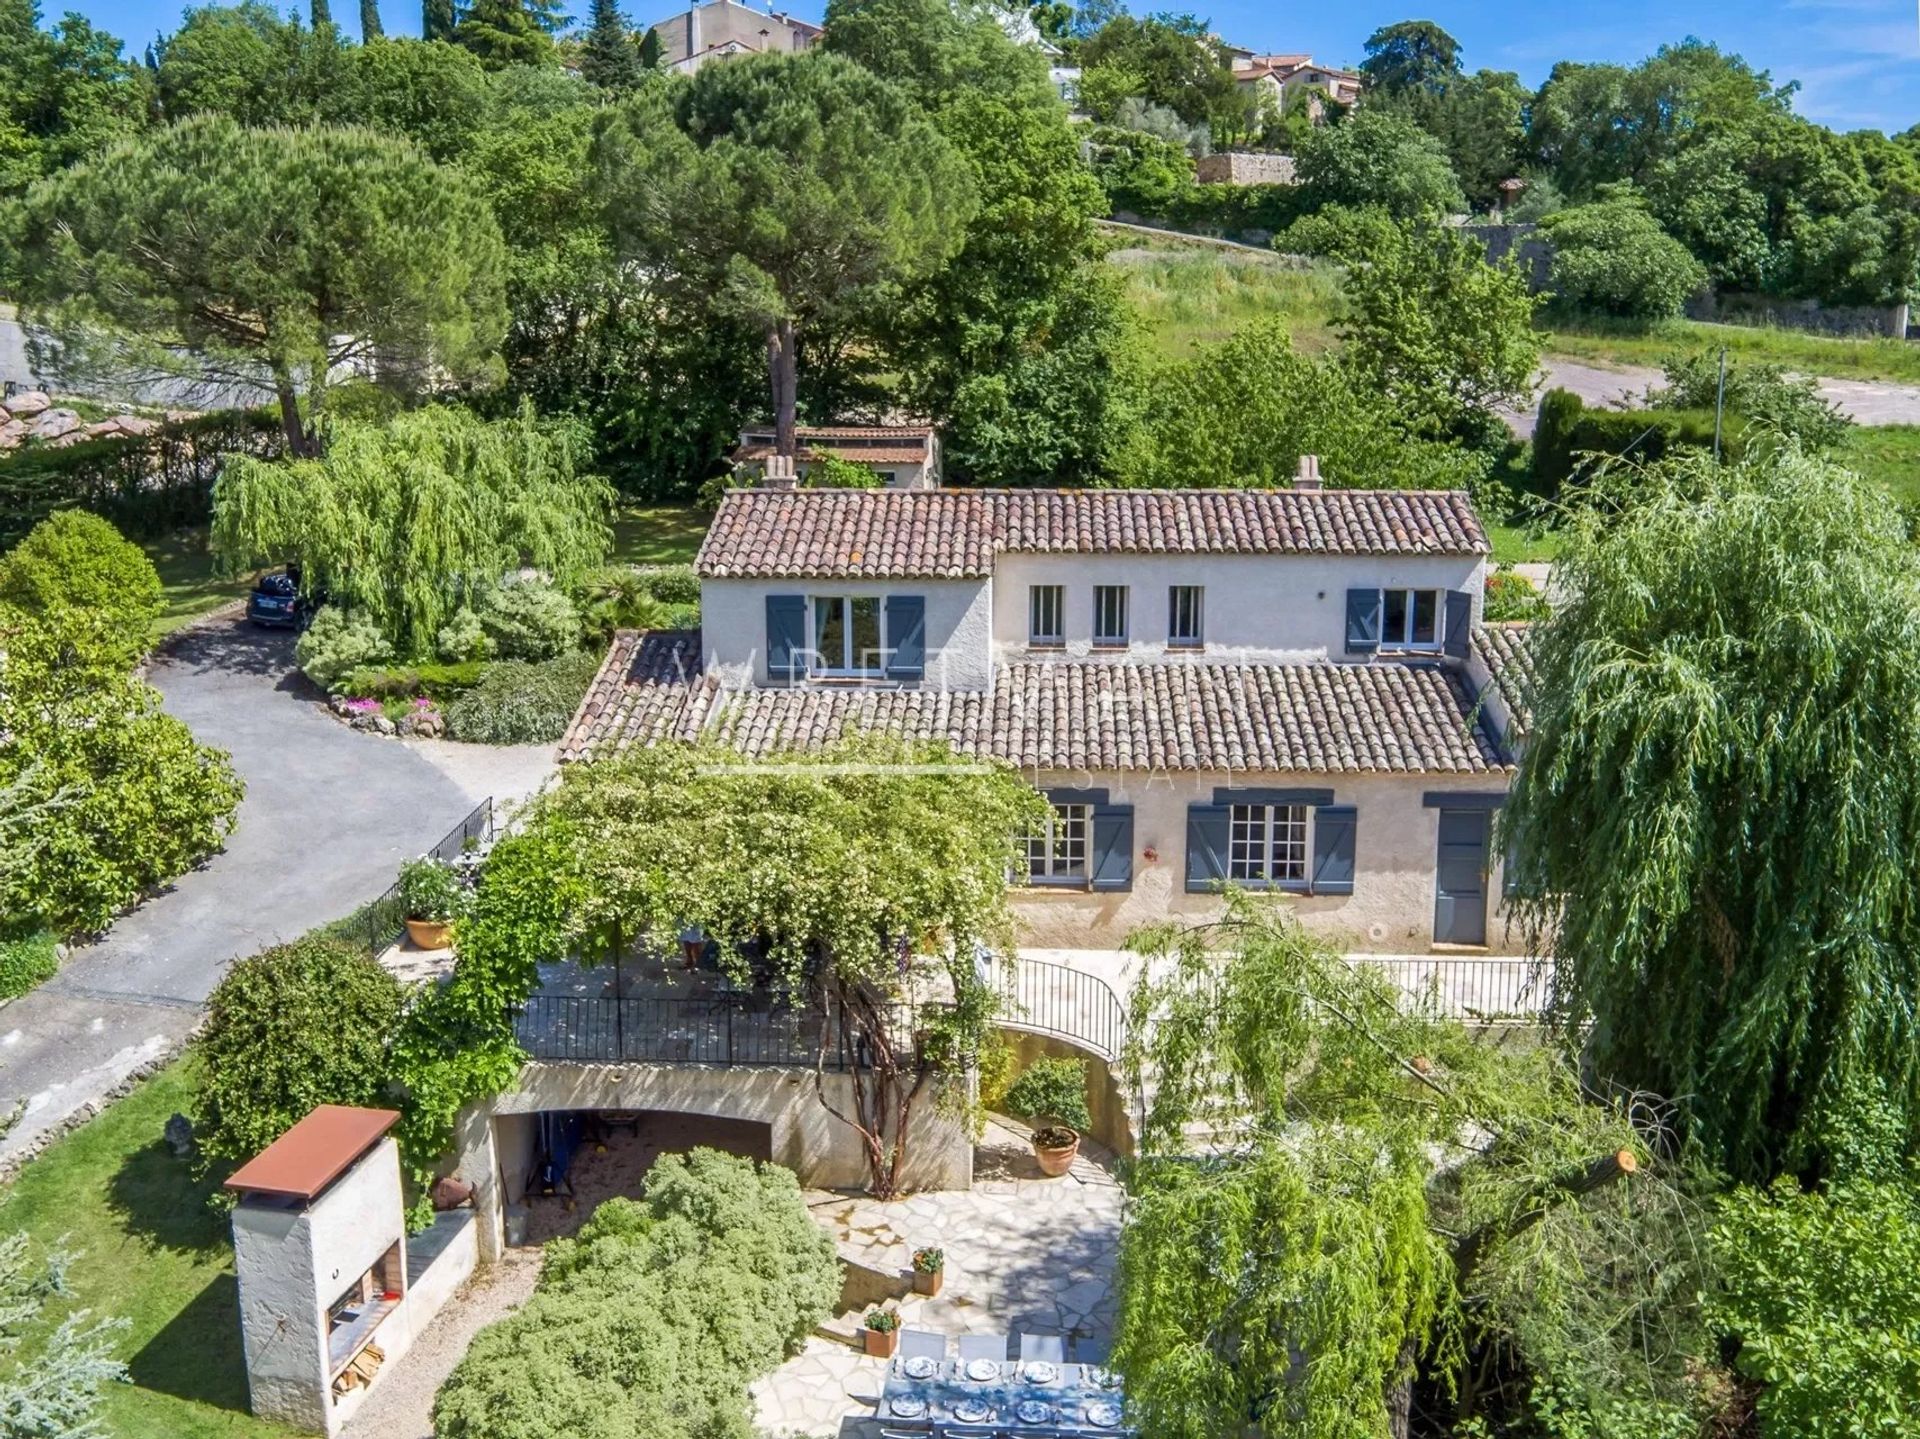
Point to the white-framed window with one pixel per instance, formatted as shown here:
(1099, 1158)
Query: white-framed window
(1110, 615)
(847, 633)
(1411, 619)
(1268, 844)
(1185, 622)
(1057, 850)
(1046, 614)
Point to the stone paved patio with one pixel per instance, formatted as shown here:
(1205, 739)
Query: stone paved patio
(1023, 1253)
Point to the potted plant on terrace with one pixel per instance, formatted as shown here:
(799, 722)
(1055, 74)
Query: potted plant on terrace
(431, 898)
(1051, 1095)
(882, 1333)
(929, 1271)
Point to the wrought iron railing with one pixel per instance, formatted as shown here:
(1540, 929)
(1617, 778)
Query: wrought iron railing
(1065, 1003)
(385, 921)
(716, 1029)
(1476, 988)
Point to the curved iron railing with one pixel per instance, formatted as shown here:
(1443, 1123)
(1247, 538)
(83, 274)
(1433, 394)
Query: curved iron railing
(1069, 1004)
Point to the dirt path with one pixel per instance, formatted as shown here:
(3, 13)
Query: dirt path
(1869, 402)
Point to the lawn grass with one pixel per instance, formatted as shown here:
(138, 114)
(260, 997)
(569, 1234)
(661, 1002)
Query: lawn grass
(658, 534)
(1865, 358)
(1189, 295)
(189, 587)
(149, 1251)
(1518, 543)
(1886, 454)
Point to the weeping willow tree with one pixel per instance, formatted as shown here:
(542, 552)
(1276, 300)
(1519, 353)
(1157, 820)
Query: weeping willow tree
(408, 520)
(1350, 1217)
(1719, 806)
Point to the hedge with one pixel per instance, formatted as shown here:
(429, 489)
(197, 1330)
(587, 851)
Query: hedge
(652, 1322)
(26, 962)
(522, 701)
(1567, 434)
(147, 485)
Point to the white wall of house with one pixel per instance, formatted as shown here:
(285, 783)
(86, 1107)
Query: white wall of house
(825, 1152)
(1390, 911)
(959, 626)
(1256, 606)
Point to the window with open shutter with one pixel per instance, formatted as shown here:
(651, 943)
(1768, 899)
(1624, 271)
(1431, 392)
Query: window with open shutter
(1459, 626)
(1112, 847)
(1209, 841)
(1333, 837)
(1364, 618)
(906, 637)
(786, 637)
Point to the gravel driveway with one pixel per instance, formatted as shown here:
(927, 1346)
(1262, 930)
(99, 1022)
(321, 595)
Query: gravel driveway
(328, 817)
(1870, 402)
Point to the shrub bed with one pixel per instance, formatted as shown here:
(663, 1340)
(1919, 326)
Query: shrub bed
(24, 962)
(654, 1320)
(522, 701)
(435, 681)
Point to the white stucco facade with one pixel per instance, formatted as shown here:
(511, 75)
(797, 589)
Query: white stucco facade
(1255, 606)
(959, 626)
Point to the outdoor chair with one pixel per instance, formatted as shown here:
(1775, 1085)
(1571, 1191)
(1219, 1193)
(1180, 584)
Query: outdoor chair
(983, 1346)
(1042, 1349)
(918, 1343)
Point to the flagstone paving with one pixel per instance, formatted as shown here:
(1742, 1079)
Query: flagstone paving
(1023, 1253)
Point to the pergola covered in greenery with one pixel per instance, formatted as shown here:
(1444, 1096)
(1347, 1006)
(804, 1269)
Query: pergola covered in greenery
(865, 876)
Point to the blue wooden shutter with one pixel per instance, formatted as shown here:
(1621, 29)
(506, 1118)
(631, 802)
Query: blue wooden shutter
(907, 636)
(786, 637)
(1333, 827)
(1112, 847)
(1209, 840)
(1365, 617)
(1459, 624)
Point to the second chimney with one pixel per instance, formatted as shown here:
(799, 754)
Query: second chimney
(1308, 476)
(779, 473)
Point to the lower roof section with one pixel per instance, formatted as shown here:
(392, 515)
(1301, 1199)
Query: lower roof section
(1155, 715)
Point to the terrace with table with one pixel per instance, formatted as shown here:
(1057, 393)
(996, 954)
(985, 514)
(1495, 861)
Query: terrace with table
(1025, 1256)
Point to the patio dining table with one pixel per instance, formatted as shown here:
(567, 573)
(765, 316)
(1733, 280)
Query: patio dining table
(987, 1398)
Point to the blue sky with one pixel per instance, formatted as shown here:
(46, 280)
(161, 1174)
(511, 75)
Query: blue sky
(1858, 61)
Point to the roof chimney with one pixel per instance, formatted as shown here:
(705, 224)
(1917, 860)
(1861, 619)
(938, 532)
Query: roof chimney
(779, 474)
(1308, 475)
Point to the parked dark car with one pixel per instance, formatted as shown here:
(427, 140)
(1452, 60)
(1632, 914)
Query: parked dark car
(276, 602)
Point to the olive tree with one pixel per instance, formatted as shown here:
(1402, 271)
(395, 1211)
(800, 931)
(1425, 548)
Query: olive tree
(283, 256)
(790, 190)
(1719, 802)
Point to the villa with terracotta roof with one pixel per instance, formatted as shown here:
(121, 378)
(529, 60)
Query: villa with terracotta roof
(1283, 689)
(904, 457)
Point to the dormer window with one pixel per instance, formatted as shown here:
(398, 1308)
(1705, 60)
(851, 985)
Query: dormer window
(1110, 617)
(846, 635)
(1411, 620)
(1046, 615)
(1184, 621)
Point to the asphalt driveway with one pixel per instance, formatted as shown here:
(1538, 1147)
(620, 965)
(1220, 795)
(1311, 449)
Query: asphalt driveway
(328, 817)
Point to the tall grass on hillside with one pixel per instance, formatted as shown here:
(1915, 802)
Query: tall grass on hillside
(1188, 296)
(1865, 357)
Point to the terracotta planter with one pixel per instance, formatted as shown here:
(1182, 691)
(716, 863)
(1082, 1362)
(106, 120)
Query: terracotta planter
(1055, 1159)
(881, 1342)
(430, 933)
(929, 1284)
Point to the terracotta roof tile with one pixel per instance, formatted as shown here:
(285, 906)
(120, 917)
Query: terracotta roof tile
(1312, 716)
(1506, 650)
(879, 534)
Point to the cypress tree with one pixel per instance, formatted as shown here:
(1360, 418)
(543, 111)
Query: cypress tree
(370, 25)
(436, 20)
(650, 49)
(609, 58)
(322, 13)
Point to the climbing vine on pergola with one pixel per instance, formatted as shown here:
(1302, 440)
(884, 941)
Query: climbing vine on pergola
(866, 876)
